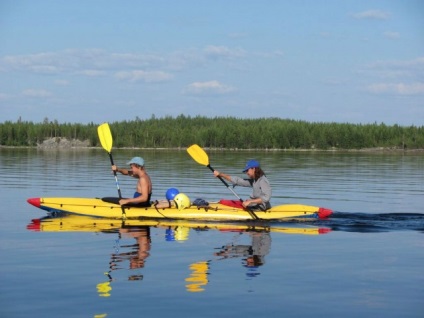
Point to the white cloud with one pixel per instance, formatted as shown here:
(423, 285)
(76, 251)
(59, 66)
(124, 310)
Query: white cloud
(208, 88)
(412, 69)
(44, 69)
(372, 14)
(223, 52)
(139, 75)
(398, 88)
(96, 62)
(38, 93)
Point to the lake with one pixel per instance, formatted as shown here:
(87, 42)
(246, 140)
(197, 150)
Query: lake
(364, 261)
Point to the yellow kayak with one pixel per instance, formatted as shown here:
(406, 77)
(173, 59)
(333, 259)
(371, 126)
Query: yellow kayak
(78, 223)
(106, 208)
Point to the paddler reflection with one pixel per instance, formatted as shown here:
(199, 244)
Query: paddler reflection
(138, 252)
(253, 255)
(136, 256)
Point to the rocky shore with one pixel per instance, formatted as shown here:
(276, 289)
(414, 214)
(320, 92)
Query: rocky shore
(63, 143)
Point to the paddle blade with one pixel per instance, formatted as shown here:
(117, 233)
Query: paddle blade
(105, 137)
(198, 154)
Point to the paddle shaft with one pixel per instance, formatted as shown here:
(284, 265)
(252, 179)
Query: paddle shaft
(252, 214)
(226, 184)
(116, 177)
(117, 185)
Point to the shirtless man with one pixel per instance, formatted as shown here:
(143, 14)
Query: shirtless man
(143, 192)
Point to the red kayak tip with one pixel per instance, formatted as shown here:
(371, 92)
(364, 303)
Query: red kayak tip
(34, 225)
(324, 213)
(324, 230)
(35, 202)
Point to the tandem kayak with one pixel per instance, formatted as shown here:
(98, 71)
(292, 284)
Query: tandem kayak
(109, 208)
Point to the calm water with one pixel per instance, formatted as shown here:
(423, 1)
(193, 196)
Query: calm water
(369, 263)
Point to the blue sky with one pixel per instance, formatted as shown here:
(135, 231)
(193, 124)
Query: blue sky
(321, 61)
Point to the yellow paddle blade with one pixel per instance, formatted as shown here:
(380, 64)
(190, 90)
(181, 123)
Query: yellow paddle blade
(198, 154)
(105, 137)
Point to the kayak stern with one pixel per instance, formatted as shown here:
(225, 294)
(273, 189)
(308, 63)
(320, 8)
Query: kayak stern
(324, 213)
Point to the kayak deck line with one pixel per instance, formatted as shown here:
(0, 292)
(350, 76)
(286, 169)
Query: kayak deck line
(98, 207)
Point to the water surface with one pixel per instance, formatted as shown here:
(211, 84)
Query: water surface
(364, 261)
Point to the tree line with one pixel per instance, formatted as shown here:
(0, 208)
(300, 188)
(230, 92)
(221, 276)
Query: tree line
(220, 132)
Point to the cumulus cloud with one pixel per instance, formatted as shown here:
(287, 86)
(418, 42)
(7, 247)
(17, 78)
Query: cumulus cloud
(372, 14)
(37, 93)
(139, 75)
(208, 88)
(397, 88)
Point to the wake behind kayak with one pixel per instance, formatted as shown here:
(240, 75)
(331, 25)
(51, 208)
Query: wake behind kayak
(374, 223)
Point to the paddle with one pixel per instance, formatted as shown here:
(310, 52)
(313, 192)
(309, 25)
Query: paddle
(201, 157)
(106, 140)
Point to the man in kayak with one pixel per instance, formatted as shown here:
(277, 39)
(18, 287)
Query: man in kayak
(143, 192)
(261, 194)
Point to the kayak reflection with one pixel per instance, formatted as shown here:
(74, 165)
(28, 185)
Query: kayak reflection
(174, 228)
(134, 256)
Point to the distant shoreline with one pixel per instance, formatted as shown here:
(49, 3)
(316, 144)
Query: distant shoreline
(63, 144)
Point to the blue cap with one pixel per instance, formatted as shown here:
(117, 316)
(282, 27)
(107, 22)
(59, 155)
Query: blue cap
(137, 161)
(251, 164)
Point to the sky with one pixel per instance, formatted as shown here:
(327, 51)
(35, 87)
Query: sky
(83, 61)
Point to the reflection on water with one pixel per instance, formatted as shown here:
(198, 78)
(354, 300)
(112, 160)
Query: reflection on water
(198, 278)
(254, 254)
(134, 257)
(135, 254)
